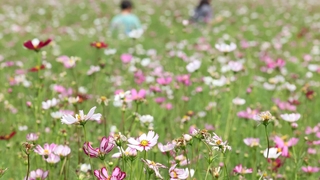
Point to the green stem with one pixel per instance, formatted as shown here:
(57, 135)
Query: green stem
(267, 136)
(208, 169)
(85, 140)
(225, 167)
(188, 163)
(28, 168)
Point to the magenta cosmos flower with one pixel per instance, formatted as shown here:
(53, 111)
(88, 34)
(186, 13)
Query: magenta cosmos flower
(144, 142)
(280, 143)
(116, 174)
(106, 145)
(36, 44)
(176, 173)
(242, 170)
(135, 95)
(38, 174)
(164, 80)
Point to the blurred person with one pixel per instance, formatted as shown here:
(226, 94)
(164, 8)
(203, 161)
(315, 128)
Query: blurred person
(125, 22)
(203, 12)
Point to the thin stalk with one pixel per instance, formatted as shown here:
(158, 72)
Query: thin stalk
(122, 121)
(28, 168)
(188, 163)
(267, 136)
(225, 167)
(208, 169)
(85, 140)
(131, 171)
(62, 167)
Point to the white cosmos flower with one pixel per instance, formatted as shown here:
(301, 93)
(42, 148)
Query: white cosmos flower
(273, 153)
(238, 101)
(80, 118)
(291, 117)
(235, 66)
(193, 66)
(225, 48)
(144, 142)
(56, 115)
(146, 119)
(85, 167)
(110, 51)
(136, 33)
(49, 103)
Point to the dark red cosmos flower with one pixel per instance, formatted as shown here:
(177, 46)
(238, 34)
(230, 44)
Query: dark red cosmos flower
(36, 44)
(36, 68)
(8, 136)
(310, 94)
(99, 45)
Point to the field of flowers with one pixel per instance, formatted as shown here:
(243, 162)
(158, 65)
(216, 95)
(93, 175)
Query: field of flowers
(235, 99)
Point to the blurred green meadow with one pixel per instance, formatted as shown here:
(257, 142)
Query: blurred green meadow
(264, 32)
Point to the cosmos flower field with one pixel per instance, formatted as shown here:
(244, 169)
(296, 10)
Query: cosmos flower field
(234, 99)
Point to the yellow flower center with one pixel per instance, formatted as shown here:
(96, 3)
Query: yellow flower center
(98, 44)
(46, 152)
(103, 98)
(175, 175)
(218, 142)
(144, 143)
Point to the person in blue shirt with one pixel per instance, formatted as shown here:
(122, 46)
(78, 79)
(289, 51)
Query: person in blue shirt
(125, 21)
(203, 12)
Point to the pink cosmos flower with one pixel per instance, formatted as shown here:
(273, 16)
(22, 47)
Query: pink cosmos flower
(126, 58)
(280, 143)
(144, 142)
(154, 166)
(164, 80)
(32, 137)
(116, 174)
(38, 174)
(62, 150)
(242, 170)
(46, 150)
(252, 142)
(310, 130)
(184, 79)
(283, 105)
(248, 113)
(155, 89)
(310, 169)
(53, 159)
(139, 77)
(106, 145)
(159, 100)
(176, 173)
(168, 106)
(166, 148)
(131, 152)
(138, 95)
